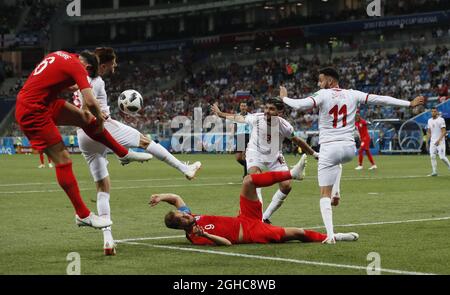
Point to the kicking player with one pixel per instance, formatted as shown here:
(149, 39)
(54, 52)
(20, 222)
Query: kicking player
(337, 109)
(263, 152)
(39, 111)
(436, 133)
(364, 137)
(242, 137)
(95, 153)
(247, 227)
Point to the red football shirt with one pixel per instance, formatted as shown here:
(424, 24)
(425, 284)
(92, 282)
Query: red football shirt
(362, 129)
(57, 71)
(222, 226)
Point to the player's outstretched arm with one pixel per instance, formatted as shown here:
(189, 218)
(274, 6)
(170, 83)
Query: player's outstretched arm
(219, 241)
(299, 104)
(172, 199)
(305, 147)
(91, 103)
(232, 117)
(387, 100)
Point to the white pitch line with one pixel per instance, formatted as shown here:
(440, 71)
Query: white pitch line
(308, 178)
(307, 227)
(120, 188)
(260, 257)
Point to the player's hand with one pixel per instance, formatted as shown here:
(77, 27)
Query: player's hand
(283, 92)
(437, 143)
(215, 109)
(419, 100)
(154, 200)
(105, 116)
(316, 155)
(100, 124)
(198, 231)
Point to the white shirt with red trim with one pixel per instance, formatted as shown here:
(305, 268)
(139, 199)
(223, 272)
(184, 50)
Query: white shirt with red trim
(337, 110)
(98, 87)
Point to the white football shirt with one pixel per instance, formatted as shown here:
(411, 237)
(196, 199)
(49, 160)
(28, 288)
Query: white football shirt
(98, 87)
(435, 126)
(337, 110)
(261, 140)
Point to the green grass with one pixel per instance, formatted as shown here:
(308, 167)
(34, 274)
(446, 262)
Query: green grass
(38, 231)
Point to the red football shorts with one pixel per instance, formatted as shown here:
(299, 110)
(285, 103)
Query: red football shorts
(38, 122)
(256, 231)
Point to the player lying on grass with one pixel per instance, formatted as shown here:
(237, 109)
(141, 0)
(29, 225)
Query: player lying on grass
(95, 152)
(247, 227)
(265, 152)
(39, 111)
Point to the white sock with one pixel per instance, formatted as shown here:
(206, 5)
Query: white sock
(327, 215)
(104, 210)
(445, 160)
(337, 184)
(277, 200)
(162, 154)
(433, 164)
(259, 194)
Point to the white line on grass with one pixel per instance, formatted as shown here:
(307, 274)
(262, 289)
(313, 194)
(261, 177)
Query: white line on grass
(120, 188)
(307, 227)
(260, 257)
(308, 178)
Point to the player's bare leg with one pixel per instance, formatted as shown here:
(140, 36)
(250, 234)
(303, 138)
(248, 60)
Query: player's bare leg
(255, 170)
(164, 155)
(66, 179)
(70, 115)
(277, 200)
(240, 158)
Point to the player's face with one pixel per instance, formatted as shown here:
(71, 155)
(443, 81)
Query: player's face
(325, 82)
(243, 107)
(184, 220)
(270, 110)
(108, 68)
(434, 113)
(357, 117)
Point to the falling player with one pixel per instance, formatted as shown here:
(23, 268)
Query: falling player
(39, 111)
(247, 227)
(242, 137)
(95, 153)
(364, 137)
(265, 152)
(41, 159)
(337, 109)
(436, 133)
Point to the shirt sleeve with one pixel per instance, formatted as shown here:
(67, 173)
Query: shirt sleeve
(367, 98)
(442, 124)
(287, 130)
(79, 75)
(185, 209)
(196, 240)
(249, 119)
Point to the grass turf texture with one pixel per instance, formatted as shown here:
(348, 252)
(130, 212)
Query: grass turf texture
(38, 230)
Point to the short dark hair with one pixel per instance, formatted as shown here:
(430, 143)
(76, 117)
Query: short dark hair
(434, 108)
(92, 60)
(331, 72)
(276, 102)
(171, 221)
(105, 54)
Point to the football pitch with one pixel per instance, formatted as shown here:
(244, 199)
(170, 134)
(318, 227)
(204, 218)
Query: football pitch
(399, 212)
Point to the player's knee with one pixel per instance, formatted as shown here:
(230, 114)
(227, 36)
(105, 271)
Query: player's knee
(286, 188)
(247, 180)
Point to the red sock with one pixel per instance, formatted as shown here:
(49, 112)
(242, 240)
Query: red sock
(49, 160)
(369, 155)
(67, 181)
(105, 138)
(361, 151)
(313, 236)
(41, 157)
(269, 178)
